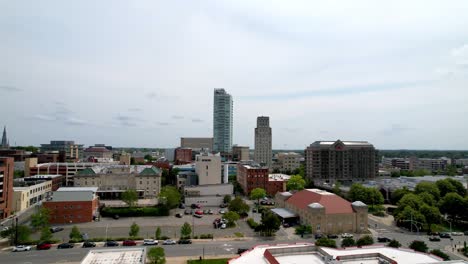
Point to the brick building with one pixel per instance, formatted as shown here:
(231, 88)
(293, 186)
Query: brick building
(6, 186)
(182, 156)
(251, 175)
(276, 183)
(73, 205)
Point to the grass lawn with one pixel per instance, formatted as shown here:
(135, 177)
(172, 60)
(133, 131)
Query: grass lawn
(208, 261)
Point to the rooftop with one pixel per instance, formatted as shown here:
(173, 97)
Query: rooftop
(278, 177)
(77, 189)
(333, 204)
(97, 149)
(115, 256)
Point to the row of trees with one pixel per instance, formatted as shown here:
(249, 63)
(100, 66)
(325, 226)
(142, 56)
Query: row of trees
(426, 204)
(368, 195)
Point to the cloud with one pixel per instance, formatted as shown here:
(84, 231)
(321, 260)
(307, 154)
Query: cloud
(128, 121)
(177, 117)
(163, 123)
(394, 129)
(160, 96)
(75, 121)
(197, 120)
(134, 109)
(44, 117)
(8, 88)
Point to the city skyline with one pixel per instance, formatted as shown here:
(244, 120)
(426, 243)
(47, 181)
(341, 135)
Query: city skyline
(142, 74)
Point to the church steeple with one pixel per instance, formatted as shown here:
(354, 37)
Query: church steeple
(4, 139)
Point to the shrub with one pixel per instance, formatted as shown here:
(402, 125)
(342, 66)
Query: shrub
(394, 243)
(379, 213)
(365, 241)
(195, 237)
(97, 239)
(135, 211)
(206, 236)
(75, 240)
(252, 223)
(441, 254)
(238, 234)
(348, 242)
(325, 242)
(418, 246)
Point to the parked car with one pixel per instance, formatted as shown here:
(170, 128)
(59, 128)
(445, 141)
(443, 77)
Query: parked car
(432, 233)
(43, 246)
(434, 239)
(445, 235)
(21, 248)
(178, 215)
(223, 226)
(332, 236)
(150, 242)
(241, 250)
(66, 245)
(169, 242)
(199, 212)
(129, 243)
(346, 235)
(181, 206)
(285, 225)
(223, 205)
(116, 217)
(457, 233)
(383, 239)
(56, 229)
(111, 243)
(210, 211)
(184, 241)
(197, 215)
(187, 211)
(318, 236)
(195, 206)
(88, 244)
(6, 228)
(466, 233)
(222, 211)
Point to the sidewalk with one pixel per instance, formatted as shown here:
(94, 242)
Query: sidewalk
(183, 260)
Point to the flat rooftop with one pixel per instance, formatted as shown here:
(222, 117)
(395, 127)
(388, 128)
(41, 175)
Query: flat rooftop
(116, 256)
(77, 189)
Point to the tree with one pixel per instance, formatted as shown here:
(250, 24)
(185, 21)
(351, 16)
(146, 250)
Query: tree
(403, 218)
(428, 187)
(337, 189)
(450, 185)
(303, 229)
(325, 242)
(148, 157)
(418, 246)
(398, 194)
(134, 230)
(185, 230)
(365, 241)
(231, 217)
(24, 234)
(427, 198)
(227, 199)
(130, 197)
(451, 205)
(431, 214)
(357, 192)
(440, 254)
(394, 243)
(411, 200)
(270, 223)
(348, 242)
(170, 196)
(75, 234)
(157, 234)
(40, 219)
(295, 183)
(46, 234)
(257, 194)
(239, 206)
(156, 255)
(395, 174)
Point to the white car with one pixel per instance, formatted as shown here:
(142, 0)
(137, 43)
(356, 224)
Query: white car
(223, 226)
(150, 242)
(346, 235)
(169, 242)
(21, 248)
(457, 234)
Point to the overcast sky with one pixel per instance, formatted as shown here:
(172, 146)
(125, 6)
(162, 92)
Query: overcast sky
(142, 73)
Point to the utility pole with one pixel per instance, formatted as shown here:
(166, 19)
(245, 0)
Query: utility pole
(411, 222)
(16, 235)
(193, 226)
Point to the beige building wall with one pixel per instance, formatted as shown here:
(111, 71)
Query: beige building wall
(24, 197)
(125, 159)
(208, 169)
(150, 184)
(196, 143)
(28, 164)
(289, 161)
(240, 153)
(20, 200)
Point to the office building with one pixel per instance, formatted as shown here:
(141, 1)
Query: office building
(222, 121)
(326, 212)
(207, 195)
(263, 153)
(344, 161)
(97, 153)
(183, 156)
(400, 163)
(240, 153)
(4, 144)
(196, 143)
(276, 183)
(72, 150)
(208, 168)
(71, 205)
(6, 186)
(288, 161)
(251, 175)
(30, 193)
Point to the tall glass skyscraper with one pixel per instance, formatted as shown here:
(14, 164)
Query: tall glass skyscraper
(222, 121)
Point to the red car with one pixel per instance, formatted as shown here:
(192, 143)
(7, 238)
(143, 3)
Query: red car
(199, 212)
(43, 246)
(128, 243)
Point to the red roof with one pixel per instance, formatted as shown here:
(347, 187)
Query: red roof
(333, 204)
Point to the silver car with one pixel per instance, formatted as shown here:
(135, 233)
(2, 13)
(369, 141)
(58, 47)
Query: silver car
(150, 242)
(21, 248)
(169, 242)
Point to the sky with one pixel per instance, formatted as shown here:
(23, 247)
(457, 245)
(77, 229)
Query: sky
(142, 73)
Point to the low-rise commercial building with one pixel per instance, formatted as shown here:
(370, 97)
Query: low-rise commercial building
(57, 181)
(97, 152)
(6, 186)
(276, 183)
(326, 212)
(196, 143)
(240, 153)
(29, 195)
(182, 156)
(72, 150)
(251, 175)
(73, 205)
(288, 161)
(114, 180)
(207, 195)
(208, 168)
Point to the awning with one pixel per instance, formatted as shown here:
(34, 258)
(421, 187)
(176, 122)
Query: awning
(284, 213)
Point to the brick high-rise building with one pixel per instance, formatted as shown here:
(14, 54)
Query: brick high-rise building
(6, 186)
(345, 161)
(263, 153)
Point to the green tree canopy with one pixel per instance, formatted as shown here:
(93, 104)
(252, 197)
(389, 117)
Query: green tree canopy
(134, 230)
(148, 157)
(227, 199)
(440, 254)
(170, 195)
(186, 230)
(450, 185)
(452, 204)
(431, 214)
(394, 243)
(295, 183)
(270, 223)
(156, 255)
(370, 196)
(427, 198)
(398, 194)
(75, 233)
(411, 200)
(418, 246)
(365, 241)
(157, 233)
(40, 219)
(130, 197)
(407, 214)
(46, 234)
(257, 194)
(231, 217)
(24, 234)
(428, 187)
(325, 242)
(239, 206)
(348, 242)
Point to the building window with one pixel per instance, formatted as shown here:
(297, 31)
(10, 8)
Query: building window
(318, 227)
